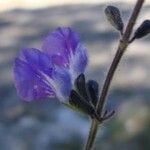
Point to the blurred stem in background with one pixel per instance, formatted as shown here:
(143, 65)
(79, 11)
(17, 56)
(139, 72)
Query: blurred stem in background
(123, 44)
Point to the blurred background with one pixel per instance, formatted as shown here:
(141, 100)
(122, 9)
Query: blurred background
(47, 125)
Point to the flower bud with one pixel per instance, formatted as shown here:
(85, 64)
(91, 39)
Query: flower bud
(114, 17)
(142, 30)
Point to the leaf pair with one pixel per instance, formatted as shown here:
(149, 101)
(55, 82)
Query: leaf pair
(114, 17)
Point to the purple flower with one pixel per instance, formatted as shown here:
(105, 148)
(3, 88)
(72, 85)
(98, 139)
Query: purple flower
(51, 71)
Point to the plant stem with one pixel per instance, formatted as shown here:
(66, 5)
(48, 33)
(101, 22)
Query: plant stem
(123, 44)
(92, 135)
(110, 75)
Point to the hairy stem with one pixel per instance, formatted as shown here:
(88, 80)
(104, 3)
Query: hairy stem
(123, 44)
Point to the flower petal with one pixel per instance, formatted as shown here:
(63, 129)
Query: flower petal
(50, 72)
(62, 83)
(78, 61)
(30, 83)
(37, 59)
(36, 76)
(61, 43)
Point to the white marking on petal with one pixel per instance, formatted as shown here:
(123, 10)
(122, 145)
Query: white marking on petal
(35, 87)
(56, 87)
(73, 60)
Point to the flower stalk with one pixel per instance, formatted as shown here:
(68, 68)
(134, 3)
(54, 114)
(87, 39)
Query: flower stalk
(122, 46)
(92, 134)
